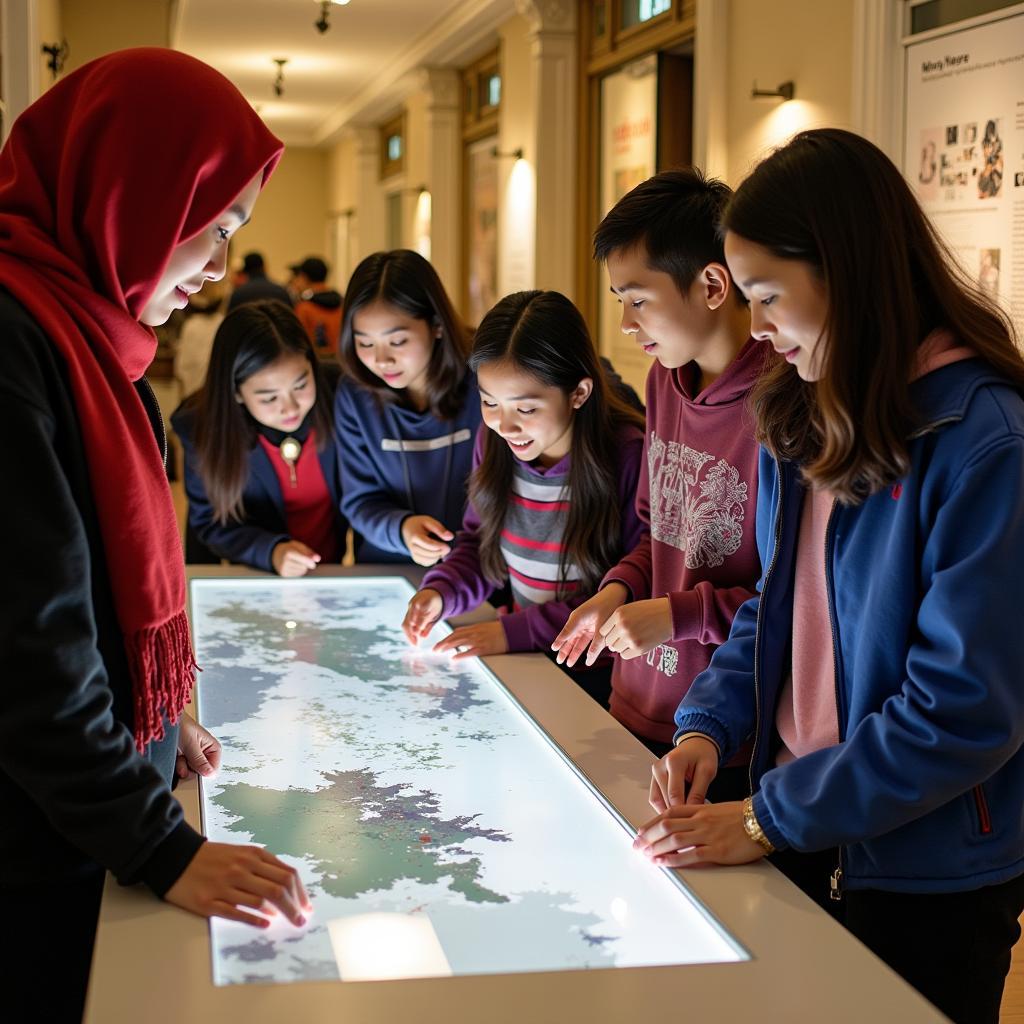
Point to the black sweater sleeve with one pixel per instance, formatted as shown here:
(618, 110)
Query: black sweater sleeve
(70, 770)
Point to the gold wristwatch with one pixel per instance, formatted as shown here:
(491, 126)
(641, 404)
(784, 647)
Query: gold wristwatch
(753, 829)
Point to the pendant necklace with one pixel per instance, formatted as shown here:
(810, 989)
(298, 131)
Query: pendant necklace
(290, 450)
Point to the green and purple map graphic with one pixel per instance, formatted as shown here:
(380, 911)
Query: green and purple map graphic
(437, 829)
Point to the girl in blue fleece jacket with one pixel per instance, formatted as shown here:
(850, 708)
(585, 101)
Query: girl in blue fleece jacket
(879, 668)
(407, 412)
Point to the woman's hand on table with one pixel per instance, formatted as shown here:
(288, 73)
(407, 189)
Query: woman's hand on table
(690, 834)
(476, 641)
(424, 610)
(198, 751)
(683, 775)
(231, 881)
(292, 558)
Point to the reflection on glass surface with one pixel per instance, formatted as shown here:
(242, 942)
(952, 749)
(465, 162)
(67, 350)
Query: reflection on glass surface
(437, 829)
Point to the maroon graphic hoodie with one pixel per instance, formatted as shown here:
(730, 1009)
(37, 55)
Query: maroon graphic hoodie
(698, 494)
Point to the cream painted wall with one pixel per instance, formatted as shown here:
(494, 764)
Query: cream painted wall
(810, 43)
(517, 205)
(48, 26)
(93, 28)
(290, 218)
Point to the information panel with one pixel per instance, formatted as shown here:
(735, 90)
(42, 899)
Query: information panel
(436, 827)
(964, 151)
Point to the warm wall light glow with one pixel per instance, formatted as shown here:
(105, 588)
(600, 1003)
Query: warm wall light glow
(375, 947)
(421, 224)
(516, 260)
(786, 120)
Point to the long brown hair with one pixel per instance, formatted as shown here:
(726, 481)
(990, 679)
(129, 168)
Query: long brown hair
(251, 338)
(544, 334)
(834, 200)
(404, 279)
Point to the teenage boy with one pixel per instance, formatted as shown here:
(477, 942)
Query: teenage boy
(666, 606)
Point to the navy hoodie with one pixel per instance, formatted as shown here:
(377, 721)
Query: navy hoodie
(396, 462)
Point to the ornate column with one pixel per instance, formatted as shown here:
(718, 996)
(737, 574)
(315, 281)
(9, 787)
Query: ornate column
(367, 228)
(552, 148)
(444, 171)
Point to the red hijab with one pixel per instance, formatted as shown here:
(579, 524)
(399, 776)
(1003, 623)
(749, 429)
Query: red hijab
(100, 179)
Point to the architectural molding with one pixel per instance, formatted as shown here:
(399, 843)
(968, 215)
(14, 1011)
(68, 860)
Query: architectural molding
(20, 47)
(442, 87)
(450, 42)
(548, 15)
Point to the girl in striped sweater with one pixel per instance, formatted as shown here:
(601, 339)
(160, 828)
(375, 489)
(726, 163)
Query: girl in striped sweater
(553, 485)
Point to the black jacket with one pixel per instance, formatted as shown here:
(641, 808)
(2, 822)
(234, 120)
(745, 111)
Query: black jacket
(73, 790)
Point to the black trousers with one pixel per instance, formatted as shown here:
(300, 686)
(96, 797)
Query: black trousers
(954, 948)
(51, 923)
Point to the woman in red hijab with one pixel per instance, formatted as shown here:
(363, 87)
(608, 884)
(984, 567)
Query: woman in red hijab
(119, 190)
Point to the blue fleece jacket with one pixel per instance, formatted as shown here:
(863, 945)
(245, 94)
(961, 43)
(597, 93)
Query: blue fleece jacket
(925, 790)
(252, 541)
(396, 462)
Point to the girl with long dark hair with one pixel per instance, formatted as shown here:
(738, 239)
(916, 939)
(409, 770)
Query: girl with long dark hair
(553, 485)
(406, 414)
(879, 669)
(260, 466)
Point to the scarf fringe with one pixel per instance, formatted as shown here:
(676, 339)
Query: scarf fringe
(163, 667)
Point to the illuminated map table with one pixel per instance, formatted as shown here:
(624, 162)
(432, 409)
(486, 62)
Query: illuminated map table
(441, 832)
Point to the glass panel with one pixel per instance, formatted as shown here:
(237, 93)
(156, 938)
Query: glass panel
(493, 90)
(394, 147)
(600, 18)
(437, 828)
(636, 12)
(945, 12)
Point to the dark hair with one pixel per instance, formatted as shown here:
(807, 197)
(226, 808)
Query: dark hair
(674, 217)
(252, 264)
(404, 279)
(251, 338)
(544, 334)
(834, 200)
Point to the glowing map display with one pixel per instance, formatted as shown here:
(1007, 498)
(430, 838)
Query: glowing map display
(437, 829)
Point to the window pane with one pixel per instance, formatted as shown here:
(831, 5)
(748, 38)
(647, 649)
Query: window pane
(493, 90)
(946, 12)
(394, 147)
(636, 12)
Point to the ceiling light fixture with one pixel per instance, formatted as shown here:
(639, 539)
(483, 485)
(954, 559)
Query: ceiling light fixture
(323, 23)
(279, 79)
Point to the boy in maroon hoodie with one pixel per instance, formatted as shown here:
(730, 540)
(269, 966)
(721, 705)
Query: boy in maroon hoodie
(666, 606)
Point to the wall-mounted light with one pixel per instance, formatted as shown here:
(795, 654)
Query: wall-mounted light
(514, 154)
(58, 55)
(279, 79)
(786, 91)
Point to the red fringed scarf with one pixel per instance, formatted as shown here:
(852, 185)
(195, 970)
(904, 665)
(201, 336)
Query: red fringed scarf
(100, 180)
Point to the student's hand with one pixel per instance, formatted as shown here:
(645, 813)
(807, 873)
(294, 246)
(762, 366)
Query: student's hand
(293, 558)
(223, 879)
(581, 627)
(425, 538)
(198, 751)
(683, 775)
(691, 834)
(475, 641)
(424, 610)
(634, 629)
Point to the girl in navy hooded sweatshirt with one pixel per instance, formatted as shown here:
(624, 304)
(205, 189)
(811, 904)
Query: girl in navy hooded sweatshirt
(407, 412)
